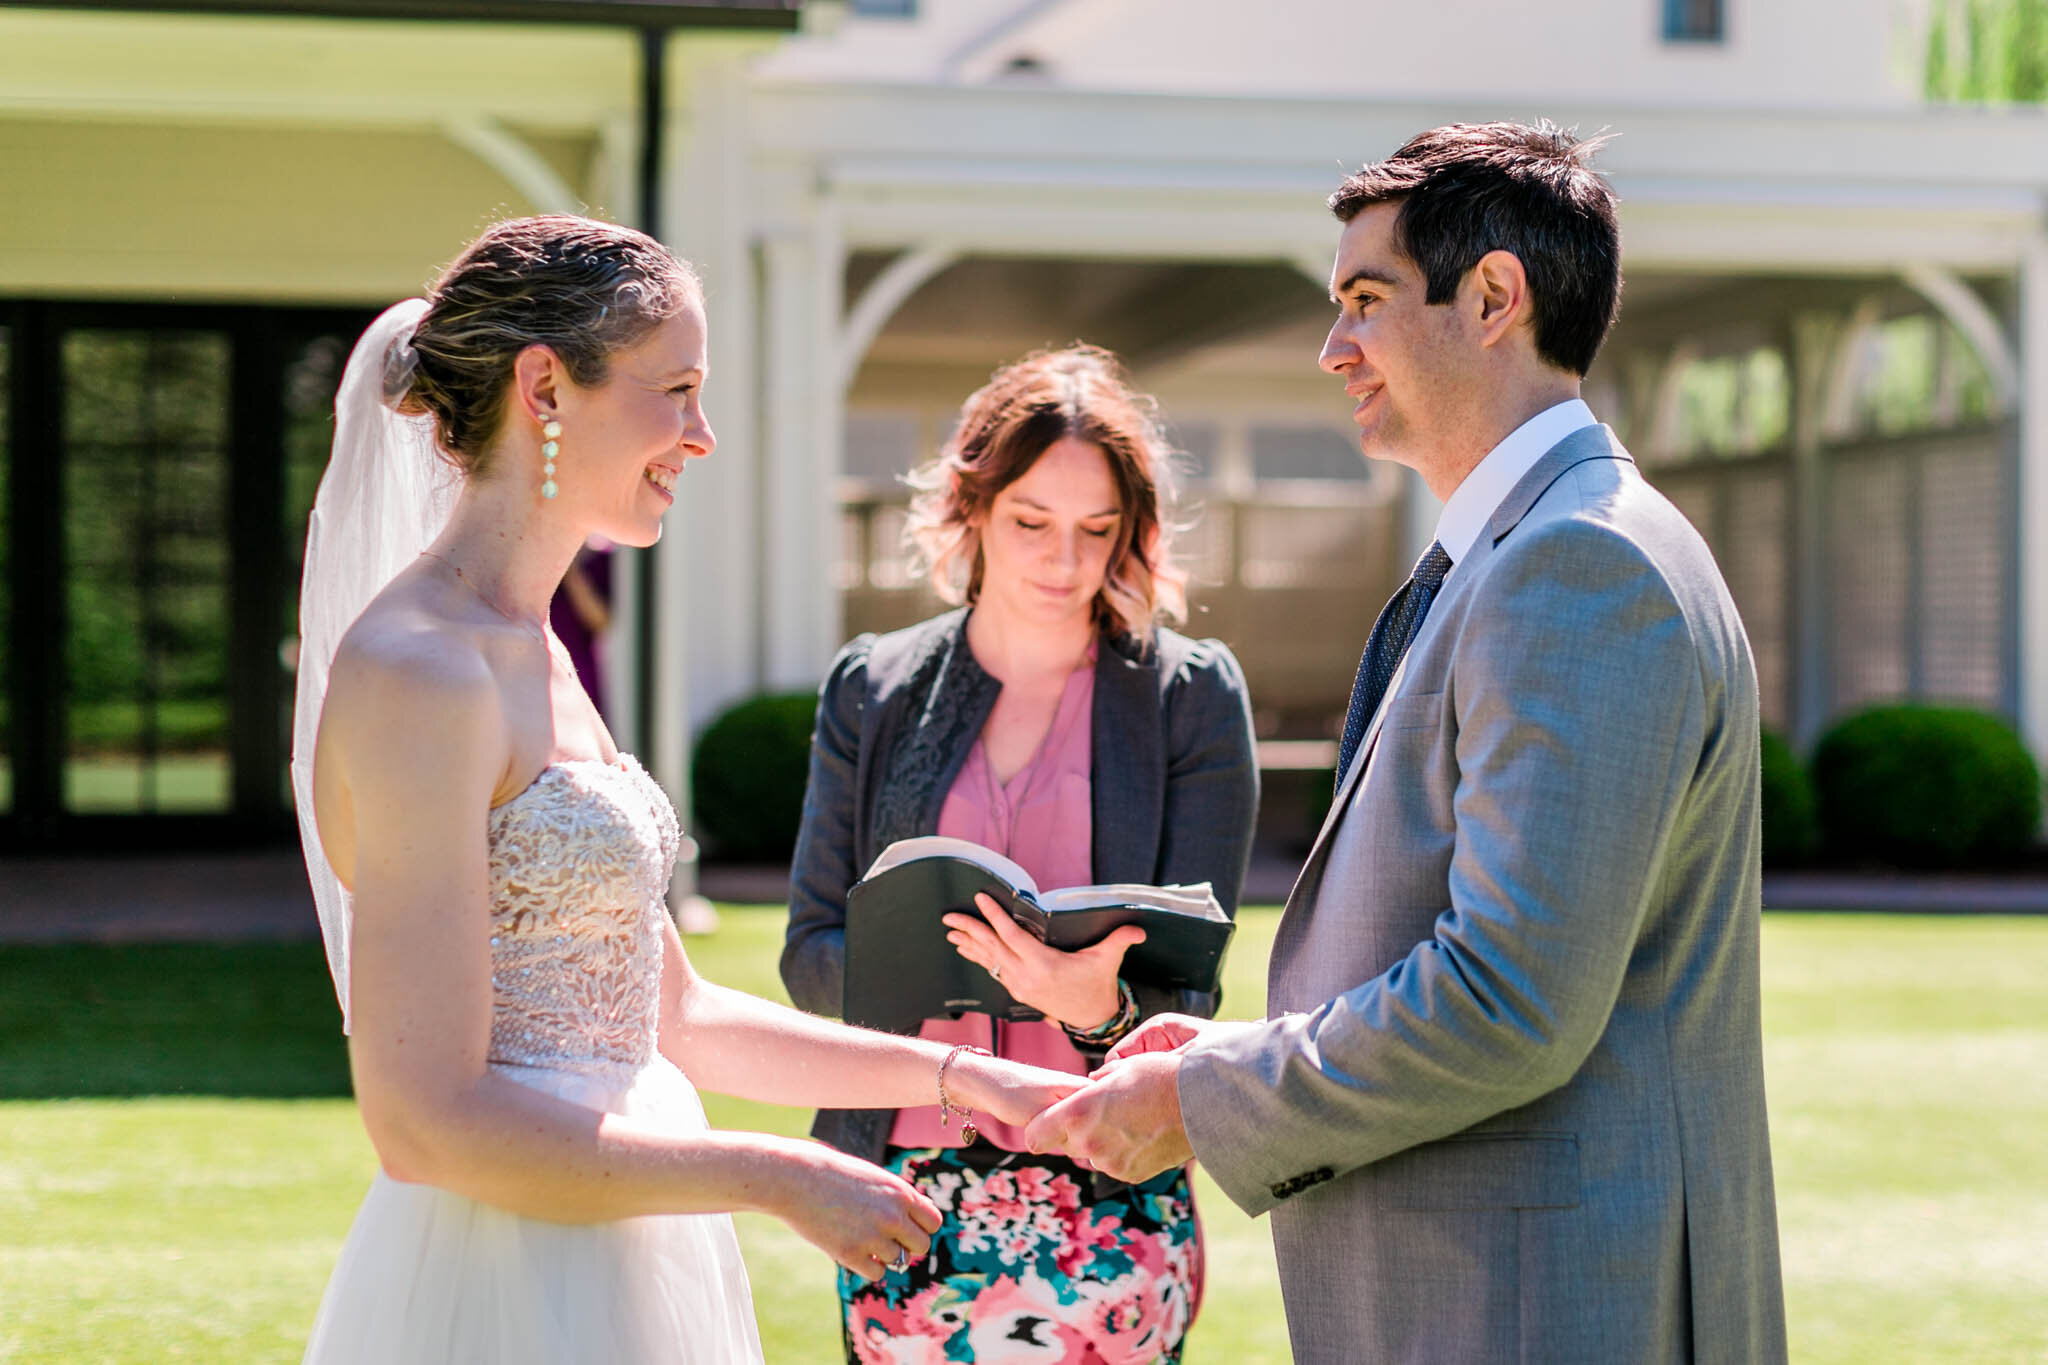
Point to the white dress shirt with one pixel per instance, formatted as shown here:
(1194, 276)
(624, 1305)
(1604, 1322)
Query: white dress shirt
(1473, 503)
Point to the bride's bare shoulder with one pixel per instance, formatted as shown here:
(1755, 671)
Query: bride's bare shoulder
(412, 730)
(406, 670)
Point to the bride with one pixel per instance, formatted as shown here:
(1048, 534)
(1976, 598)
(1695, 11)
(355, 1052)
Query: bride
(526, 1031)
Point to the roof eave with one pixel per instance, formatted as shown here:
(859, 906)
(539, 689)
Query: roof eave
(774, 15)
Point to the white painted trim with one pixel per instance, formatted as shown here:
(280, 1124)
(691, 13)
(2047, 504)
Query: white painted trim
(1838, 397)
(1254, 223)
(2033, 495)
(886, 293)
(498, 147)
(799, 490)
(1795, 151)
(1660, 436)
(1970, 315)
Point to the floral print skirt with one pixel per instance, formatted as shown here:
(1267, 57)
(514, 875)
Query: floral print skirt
(1031, 1267)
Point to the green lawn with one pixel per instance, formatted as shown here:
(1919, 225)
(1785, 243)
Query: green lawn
(189, 1206)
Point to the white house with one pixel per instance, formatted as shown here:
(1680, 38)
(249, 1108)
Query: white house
(1833, 350)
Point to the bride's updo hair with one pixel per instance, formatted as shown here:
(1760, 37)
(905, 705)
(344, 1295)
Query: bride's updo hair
(1023, 411)
(583, 288)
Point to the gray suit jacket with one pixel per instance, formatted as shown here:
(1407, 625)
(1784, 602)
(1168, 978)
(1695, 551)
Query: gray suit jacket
(1509, 1101)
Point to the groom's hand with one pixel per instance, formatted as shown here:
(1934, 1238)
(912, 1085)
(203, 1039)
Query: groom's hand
(1126, 1123)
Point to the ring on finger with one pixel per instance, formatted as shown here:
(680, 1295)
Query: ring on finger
(902, 1261)
(996, 973)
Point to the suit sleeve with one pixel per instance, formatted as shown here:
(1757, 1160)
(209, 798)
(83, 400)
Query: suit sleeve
(1212, 796)
(814, 946)
(1578, 698)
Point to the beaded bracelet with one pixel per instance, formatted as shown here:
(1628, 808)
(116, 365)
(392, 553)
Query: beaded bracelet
(1116, 1026)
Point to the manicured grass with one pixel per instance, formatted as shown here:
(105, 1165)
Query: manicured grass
(190, 1210)
(1905, 1061)
(244, 1019)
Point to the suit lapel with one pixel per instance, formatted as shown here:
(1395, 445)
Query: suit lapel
(1350, 780)
(1587, 443)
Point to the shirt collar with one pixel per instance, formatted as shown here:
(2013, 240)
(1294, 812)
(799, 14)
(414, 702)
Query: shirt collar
(1475, 500)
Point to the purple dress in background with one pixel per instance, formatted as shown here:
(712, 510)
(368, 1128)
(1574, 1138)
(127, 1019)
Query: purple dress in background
(585, 646)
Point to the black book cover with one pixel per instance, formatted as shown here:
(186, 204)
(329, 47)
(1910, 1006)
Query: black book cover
(900, 970)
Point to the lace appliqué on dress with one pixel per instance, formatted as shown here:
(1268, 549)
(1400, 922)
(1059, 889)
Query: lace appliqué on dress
(580, 864)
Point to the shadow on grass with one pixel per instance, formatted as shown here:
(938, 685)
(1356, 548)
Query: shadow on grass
(242, 1019)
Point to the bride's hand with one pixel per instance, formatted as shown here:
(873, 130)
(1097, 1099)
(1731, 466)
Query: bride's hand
(1014, 1092)
(852, 1210)
(1077, 989)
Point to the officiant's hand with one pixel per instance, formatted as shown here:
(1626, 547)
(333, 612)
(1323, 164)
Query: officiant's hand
(1126, 1122)
(1077, 989)
(1160, 1033)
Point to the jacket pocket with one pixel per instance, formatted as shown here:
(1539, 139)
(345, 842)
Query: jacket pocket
(1414, 711)
(1483, 1171)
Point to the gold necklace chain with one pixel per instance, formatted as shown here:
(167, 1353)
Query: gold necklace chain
(538, 633)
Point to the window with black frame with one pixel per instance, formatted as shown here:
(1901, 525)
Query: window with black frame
(312, 373)
(146, 570)
(1695, 21)
(6, 582)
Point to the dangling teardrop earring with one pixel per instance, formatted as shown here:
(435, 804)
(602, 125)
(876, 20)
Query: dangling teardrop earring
(550, 428)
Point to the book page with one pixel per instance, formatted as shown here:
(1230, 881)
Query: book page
(942, 846)
(1197, 899)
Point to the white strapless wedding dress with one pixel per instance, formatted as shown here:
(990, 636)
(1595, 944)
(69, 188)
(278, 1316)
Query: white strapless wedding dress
(579, 865)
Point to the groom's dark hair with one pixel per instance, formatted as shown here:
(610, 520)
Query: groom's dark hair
(1469, 188)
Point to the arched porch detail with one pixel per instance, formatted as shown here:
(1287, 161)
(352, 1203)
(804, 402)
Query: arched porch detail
(878, 302)
(498, 147)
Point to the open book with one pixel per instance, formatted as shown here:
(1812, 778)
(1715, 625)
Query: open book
(900, 970)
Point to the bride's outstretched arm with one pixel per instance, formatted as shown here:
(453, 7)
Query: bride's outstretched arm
(415, 742)
(739, 1044)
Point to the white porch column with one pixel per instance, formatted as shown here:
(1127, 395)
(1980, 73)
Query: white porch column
(707, 610)
(2033, 494)
(804, 416)
(1810, 346)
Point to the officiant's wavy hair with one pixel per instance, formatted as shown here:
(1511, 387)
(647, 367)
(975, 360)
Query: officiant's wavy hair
(1469, 188)
(1023, 410)
(583, 288)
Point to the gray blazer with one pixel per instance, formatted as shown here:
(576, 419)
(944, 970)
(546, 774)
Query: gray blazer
(1509, 1104)
(1173, 789)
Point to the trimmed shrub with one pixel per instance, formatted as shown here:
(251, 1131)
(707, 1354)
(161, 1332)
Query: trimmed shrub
(1791, 820)
(747, 785)
(1926, 786)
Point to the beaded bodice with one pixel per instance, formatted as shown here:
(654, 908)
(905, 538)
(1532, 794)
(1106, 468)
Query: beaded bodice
(580, 864)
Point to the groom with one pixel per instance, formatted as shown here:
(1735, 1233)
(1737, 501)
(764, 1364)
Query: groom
(1509, 1103)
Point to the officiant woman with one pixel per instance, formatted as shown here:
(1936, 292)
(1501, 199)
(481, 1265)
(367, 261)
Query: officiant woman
(1054, 717)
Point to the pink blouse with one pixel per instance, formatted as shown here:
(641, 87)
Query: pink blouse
(1040, 819)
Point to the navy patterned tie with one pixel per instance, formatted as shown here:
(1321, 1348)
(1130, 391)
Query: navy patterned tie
(1391, 636)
